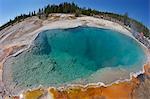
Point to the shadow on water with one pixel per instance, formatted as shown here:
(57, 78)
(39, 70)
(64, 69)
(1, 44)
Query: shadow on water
(41, 45)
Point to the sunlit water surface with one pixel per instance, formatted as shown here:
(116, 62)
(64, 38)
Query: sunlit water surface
(62, 56)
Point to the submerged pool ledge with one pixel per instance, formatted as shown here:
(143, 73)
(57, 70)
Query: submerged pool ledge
(77, 55)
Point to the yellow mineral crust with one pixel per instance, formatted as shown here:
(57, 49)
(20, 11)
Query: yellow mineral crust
(34, 94)
(122, 90)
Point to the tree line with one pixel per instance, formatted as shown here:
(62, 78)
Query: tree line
(72, 8)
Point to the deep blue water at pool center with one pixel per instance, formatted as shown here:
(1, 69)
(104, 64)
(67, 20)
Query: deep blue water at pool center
(63, 55)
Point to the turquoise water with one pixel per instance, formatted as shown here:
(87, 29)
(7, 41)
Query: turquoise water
(63, 55)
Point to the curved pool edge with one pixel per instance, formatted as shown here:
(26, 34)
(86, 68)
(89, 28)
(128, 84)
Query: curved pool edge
(97, 84)
(133, 80)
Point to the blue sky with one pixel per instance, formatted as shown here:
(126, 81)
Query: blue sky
(137, 9)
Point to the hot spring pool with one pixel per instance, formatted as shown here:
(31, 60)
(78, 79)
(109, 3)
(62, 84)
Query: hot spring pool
(76, 55)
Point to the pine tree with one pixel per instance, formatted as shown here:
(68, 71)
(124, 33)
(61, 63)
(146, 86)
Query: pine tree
(34, 13)
(126, 19)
